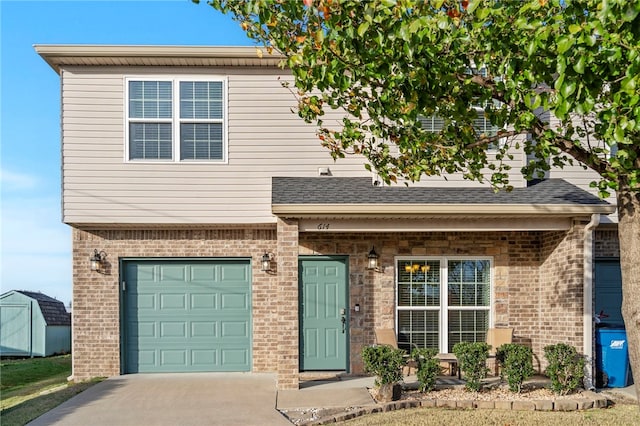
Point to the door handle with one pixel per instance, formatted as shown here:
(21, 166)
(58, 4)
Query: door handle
(344, 323)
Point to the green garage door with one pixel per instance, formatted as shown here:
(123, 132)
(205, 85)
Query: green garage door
(186, 315)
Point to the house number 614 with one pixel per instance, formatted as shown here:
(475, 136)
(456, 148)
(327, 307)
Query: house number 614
(322, 226)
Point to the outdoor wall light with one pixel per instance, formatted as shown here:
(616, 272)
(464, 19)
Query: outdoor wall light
(266, 262)
(98, 260)
(373, 259)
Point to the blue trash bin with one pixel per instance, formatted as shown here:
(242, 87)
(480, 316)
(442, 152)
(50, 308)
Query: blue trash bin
(612, 355)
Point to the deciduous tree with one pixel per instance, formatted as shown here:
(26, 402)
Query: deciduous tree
(387, 63)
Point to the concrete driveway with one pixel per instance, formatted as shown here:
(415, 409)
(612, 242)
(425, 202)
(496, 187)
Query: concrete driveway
(173, 399)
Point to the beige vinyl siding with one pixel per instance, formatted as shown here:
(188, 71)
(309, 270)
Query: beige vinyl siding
(265, 139)
(578, 176)
(582, 178)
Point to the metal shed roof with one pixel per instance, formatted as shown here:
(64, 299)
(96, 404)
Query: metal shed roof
(53, 310)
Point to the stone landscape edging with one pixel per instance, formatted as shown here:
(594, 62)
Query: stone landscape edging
(587, 401)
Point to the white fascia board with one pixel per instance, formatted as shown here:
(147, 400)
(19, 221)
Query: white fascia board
(336, 225)
(313, 210)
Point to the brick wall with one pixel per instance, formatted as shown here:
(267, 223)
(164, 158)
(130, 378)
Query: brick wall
(96, 308)
(287, 303)
(533, 286)
(561, 290)
(606, 243)
(537, 285)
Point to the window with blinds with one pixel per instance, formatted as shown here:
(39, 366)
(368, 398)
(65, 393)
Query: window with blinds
(440, 302)
(150, 111)
(162, 112)
(481, 125)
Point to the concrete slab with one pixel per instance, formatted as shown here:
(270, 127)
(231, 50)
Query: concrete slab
(323, 398)
(172, 399)
(343, 393)
(628, 392)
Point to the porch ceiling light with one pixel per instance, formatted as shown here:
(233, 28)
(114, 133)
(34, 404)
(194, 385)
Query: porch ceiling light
(98, 260)
(266, 262)
(373, 259)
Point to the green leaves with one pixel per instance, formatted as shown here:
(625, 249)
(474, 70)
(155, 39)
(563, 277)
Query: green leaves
(386, 65)
(362, 28)
(564, 43)
(579, 65)
(574, 28)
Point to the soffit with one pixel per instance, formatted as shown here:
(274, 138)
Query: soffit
(59, 56)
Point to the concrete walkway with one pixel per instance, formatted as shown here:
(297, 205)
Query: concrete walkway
(173, 399)
(216, 399)
(343, 393)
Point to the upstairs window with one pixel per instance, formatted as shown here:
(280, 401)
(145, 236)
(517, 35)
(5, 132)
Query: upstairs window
(176, 120)
(481, 125)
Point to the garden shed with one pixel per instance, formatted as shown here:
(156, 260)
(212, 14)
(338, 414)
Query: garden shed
(33, 324)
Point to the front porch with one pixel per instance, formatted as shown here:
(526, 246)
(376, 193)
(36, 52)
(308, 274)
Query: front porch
(534, 284)
(452, 263)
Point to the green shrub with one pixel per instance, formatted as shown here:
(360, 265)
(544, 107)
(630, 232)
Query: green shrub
(517, 364)
(428, 367)
(472, 360)
(565, 369)
(385, 362)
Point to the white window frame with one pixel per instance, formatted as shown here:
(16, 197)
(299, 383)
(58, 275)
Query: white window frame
(175, 120)
(444, 308)
(481, 113)
(479, 109)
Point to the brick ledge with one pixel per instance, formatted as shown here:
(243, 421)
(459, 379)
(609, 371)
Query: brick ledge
(592, 400)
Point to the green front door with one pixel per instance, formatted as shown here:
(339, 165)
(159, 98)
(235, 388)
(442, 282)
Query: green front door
(323, 313)
(186, 315)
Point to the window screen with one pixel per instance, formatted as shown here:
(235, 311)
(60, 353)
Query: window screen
(440, 302)
(201, 115)
(163, 112)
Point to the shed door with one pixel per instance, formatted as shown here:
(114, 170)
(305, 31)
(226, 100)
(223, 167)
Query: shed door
(184, 316)
(15, 330)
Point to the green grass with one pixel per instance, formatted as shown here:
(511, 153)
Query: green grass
(24, 375)
(619, 414)
(31, 387)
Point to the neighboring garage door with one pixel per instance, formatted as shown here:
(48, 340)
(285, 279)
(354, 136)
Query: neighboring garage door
(186, 315)
(608, 290)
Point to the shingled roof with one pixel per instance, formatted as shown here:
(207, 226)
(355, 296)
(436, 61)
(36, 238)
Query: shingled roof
(355, 194)
(53, 310)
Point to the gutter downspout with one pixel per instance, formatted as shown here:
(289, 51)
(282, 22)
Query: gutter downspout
(587, 308)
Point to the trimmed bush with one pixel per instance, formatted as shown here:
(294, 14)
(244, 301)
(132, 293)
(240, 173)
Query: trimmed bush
(472, 360)
(517, 364)
(565, 369)
(385, 362)
(428, 367)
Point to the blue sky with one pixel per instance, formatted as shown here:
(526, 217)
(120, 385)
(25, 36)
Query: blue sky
(35, 244)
